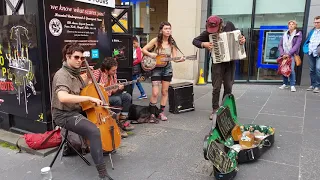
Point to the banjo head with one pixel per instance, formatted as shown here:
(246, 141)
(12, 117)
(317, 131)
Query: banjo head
(148, 63)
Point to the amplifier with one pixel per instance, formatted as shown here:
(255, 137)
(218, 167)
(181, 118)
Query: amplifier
(181, 97)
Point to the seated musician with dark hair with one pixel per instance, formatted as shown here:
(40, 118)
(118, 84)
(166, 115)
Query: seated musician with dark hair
(66, 110)
(106, 75)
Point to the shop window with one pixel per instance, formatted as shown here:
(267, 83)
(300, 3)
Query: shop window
(271, 20)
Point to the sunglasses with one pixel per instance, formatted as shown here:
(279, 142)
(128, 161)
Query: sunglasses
(78, 57)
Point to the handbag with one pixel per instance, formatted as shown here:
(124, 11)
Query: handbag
(297, 59)
(284, 66)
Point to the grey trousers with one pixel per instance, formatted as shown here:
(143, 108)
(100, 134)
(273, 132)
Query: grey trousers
(222, 73)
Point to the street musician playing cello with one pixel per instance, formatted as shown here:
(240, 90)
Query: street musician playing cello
(66, 86)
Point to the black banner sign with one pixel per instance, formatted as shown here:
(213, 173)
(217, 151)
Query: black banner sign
(70, 21)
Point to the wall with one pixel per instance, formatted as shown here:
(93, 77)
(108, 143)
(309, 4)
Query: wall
(185, 26)
(160, 14)
(202, 52)
(314, 11)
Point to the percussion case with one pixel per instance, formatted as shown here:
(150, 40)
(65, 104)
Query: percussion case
(181, 98)
(226, 153)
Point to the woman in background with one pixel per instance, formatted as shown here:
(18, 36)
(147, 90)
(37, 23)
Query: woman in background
(289, 46)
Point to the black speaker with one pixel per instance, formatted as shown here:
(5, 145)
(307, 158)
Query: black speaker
(181, 98)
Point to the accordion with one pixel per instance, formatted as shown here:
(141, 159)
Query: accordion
(226, 47)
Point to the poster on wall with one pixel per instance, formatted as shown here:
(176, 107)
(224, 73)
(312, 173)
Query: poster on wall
(121, 50)
(269, 39)
(272, 41)
(70, 21)
(20, 86)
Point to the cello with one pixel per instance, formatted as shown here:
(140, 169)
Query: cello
(100, 116)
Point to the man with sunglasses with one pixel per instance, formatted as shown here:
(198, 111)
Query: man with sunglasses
(66, 110)
(223, 72)
(312, 48)
(106, 75)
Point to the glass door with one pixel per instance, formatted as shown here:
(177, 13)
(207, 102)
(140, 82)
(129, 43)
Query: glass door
(239, 13)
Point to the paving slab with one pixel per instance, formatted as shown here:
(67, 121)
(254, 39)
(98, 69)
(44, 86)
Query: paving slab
(266, 170)
(310, 164)
(311, 138)
(281, 123)
(286, 149)
(173, 150)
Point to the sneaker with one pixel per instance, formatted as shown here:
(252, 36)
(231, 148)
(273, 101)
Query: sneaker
(293, 89)
(143, 97)
(310, 88)
(127, 126)
(283, 86)
(316, 90)
(123, 133)
(162, 117)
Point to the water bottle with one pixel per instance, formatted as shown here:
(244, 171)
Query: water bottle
(46, 173)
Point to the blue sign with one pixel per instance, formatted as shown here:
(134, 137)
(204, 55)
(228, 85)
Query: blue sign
(95, 53)
(134, 1)
(269, 50)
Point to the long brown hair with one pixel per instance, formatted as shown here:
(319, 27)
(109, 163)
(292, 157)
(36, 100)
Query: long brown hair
(160, 36)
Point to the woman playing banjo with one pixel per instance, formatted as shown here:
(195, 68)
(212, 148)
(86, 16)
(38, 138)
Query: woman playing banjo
(161, 45)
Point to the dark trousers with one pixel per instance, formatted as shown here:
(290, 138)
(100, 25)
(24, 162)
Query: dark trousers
(121, 100)
(77, 123)
(221, 73)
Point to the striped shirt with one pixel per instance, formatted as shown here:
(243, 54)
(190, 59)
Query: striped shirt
(105, 79)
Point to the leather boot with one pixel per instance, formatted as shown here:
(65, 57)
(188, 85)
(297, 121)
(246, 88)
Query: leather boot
(102, 170)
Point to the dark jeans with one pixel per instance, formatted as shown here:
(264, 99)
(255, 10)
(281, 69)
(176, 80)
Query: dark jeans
(121, 100)
(77, 123)
(221, 73)
(314, 66)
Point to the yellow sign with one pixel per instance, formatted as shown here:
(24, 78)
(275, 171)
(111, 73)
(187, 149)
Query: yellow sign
(116, 28)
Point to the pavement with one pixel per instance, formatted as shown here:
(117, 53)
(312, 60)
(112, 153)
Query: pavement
(172, 150)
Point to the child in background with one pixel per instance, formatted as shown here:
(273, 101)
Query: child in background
(136, 70)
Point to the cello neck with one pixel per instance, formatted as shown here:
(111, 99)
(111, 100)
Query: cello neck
(94, 81)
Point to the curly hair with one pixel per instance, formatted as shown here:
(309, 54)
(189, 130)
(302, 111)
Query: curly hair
(108, 63)
(70, 48)
(160, 36)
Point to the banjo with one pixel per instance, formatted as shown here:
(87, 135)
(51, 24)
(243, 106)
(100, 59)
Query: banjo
(149, 63)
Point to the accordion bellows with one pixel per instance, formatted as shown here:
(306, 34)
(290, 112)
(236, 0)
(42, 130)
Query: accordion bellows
(226, 47)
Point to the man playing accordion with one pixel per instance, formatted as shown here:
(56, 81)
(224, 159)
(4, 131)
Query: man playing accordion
(221, 72)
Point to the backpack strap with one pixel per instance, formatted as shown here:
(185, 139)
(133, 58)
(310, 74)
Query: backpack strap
(50, 135)
(17, 144)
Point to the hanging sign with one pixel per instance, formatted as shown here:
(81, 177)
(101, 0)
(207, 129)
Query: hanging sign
(106, 3)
